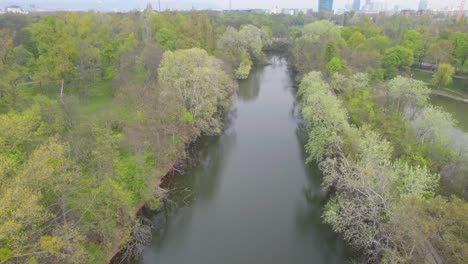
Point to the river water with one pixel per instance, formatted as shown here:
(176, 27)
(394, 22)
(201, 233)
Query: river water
(459, 110)
(250, 198)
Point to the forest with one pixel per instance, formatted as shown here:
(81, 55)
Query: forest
(394, 165)
(96, 107)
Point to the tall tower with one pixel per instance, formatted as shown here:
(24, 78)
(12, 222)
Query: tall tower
(326, 6)
(356, 5)
(422, 5)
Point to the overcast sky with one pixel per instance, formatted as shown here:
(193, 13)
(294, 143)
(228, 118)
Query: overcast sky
(214, 4)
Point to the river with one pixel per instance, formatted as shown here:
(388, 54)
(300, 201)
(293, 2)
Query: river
(459, 110)
(250, 198)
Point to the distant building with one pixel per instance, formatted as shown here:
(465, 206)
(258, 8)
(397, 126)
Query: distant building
(374, 6)
(15, 10)
(288, 11)
(275, 10)
(408, 12)
(356, 5)
(325, 5)
(339, 11)
(422, 5)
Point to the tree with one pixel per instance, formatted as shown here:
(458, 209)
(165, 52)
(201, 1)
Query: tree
(251, 38)
(440, 52)
(460, 48)
(319, 43)
(407, 95)
(241, 47)
(356, 39)
(243, 71)
(87, 68)
(413, 40)
(322, 111)
(444, 75)
(433, 125)
(335, 65)
(202, 87)
(397, 59)
(368, 56)
(368, 187)
(431, 231)
(14, 66)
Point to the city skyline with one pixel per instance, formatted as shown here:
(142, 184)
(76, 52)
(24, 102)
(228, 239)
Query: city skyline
(107, 5)
(356, 4)
(325, 5)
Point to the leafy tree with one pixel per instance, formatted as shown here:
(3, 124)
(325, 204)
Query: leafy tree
(319, 43)
(356, 39)
(444, 75)
(55, 62)
(322, 111)
(429, 231)
(434, 125)
(241, 47)
(460, 48)
(413, 40)
(397, 59)
(406, 95)
(203, 89)
(244, 68)
(335, 65)
(14, 66)
(440, 52)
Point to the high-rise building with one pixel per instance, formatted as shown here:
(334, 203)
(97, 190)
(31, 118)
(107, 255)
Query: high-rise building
(325, 5)
(422, 5)
(357, 5)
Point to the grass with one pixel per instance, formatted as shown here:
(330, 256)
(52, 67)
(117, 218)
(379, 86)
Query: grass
(100, 98)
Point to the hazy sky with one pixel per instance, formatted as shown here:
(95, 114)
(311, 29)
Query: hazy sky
(215, 4)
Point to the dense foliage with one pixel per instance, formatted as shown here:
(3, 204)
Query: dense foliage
(386, 197)
(94, 109)
(393, 164)
(383, 47)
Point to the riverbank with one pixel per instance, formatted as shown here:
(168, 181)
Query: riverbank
(440, 93)
(117, 249)
(458, 87)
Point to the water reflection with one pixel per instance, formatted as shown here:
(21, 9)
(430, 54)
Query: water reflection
(456, 108)
(309, 216)
(251, 198)
(250, 89)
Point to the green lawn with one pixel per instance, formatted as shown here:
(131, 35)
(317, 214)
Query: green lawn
(100, 98)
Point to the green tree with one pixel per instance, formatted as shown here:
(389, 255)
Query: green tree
(335, 65)
(325, 118)
(203, 89)
(440, 52)
(413, 40)
(460, 48)
(444, 75)
(356, 39)
(397, 59)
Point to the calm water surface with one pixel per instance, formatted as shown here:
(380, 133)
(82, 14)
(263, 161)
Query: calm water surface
(250, 198)
(459, 110)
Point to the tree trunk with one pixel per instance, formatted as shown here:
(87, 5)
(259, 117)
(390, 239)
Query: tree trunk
(13, 95)
(61, 93)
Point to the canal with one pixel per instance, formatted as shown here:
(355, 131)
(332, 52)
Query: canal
(249, 197)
